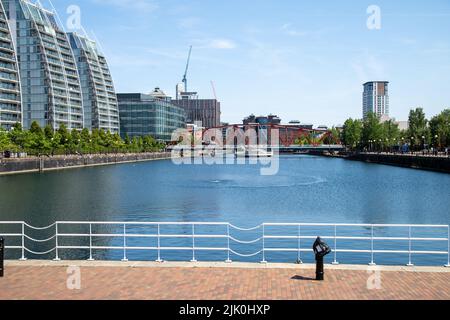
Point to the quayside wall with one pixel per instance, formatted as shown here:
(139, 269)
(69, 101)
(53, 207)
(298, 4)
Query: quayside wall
(439, 164)
(44, 163)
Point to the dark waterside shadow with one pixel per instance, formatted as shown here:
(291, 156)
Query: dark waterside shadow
(302, 278)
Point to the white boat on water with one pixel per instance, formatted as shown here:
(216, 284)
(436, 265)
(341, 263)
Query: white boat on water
(253, 152)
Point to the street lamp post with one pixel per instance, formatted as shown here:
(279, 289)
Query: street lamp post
(423, 146)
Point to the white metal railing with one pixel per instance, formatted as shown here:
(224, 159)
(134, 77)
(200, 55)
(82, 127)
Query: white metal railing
(373, 234)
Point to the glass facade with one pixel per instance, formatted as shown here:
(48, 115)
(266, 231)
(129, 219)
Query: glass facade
(51, 91)
(10, 98)
(142, 115)
(376, 98)
(99, 97)
(205, 110)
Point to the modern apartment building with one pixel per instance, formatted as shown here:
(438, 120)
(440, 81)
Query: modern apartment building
(51, 90)
(376, 98)
(206, 111)
(149, 114)
(10, 99)
(101, 110)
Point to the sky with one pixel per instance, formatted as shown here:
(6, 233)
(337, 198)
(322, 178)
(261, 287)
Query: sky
(301, 60)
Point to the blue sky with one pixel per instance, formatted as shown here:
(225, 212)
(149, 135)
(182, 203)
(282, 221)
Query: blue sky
(302, 60)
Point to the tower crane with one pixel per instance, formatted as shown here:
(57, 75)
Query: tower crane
(187, 69)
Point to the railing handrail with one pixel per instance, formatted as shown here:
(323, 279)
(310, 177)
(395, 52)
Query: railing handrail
(356, 225)
(139, 223)
(226, 223)
(126, 234)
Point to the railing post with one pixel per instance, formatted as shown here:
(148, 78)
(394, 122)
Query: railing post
(264, 244)
(410, 264)
(448, 248)
(372, 262)
(193, 244)
(159, 245)
(228, 241)
(23, 243)
(125, 259)
(335, 262)
(299, 255)
(57, 243)
(90, 243)
(2, 257)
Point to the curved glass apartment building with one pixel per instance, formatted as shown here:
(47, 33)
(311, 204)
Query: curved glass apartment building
(51, 91)
(101, 110)
(10, 99)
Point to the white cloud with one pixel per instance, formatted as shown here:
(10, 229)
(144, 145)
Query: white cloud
(222, 44)
(287, 29)
(218, 43)
(140, 5)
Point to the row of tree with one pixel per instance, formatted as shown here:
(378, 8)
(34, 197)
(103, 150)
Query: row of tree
(38, 141)
(372, 134)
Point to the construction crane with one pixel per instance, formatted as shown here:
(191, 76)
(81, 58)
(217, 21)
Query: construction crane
(187, 69)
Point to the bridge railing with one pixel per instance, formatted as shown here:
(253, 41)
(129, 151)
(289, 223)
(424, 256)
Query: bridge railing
(268, 238)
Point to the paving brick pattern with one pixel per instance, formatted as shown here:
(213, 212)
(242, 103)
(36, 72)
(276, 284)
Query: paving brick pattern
(117, 283)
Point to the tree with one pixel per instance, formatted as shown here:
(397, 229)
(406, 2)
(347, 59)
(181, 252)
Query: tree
(418, 131)
(303, 140)
(391, 134)
(64, 138)
(372, 132)
(440, 129)
(36, 128)
(335, 136)
(74, 141)
(39, 144)
(127, 140)
(5, 142)
(351, 133)
(19, 137)
(37, 141)
(86, 141)
(49, 133)
(55, 143)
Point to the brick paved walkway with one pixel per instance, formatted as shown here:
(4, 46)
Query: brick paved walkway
(179, 283)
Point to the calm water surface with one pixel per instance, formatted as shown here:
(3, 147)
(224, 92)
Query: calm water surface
(307, 189)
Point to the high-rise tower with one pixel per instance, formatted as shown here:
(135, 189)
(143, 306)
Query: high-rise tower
(10, 99)
(376, 98)
(101, 110)
(51, 91)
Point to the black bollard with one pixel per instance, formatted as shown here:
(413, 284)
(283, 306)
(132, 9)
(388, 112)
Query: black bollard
(319, 268)
(321, 249)
(2, 257)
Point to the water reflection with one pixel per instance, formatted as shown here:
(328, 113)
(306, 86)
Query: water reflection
(307, 189)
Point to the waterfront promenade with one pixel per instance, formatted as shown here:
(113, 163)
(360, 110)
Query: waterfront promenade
(219, 281)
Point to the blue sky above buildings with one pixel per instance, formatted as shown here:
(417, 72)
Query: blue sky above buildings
(302, 60)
